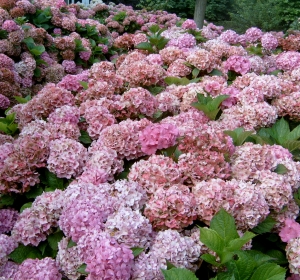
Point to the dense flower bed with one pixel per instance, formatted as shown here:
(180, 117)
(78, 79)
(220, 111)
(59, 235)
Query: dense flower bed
(122, 130)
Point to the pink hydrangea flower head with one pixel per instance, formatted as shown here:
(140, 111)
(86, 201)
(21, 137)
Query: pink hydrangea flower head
(80, 217)
(290, 230)
(238, 64)
(8, 217)
(253, 34)
(67, 158)
(36, 269)
(129, 227)
(189, 24)
(69, 66)
(171, 208)
(7, 245)
(4, 102)
(293, 256)
(185, 41)
(9, 26)
(158, 136)
(289, 60)
(229, 36)
(105, 258)
(269, 42)
(64, 114)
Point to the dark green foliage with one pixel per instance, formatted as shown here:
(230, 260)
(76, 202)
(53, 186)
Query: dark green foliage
(264, 14)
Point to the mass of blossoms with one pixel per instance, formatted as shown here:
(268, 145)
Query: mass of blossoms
(115, 148)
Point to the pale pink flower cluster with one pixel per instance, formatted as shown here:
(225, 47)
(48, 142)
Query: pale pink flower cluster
(129, 227)
(65, 114)
(35, 223)
(168, 102)
(293, 255)
(105, 258)
(269, 42)
(202, 59)
(7, 245)
(36, 269)
(124, 138)
(158, 136)
(238, 64)
(290, 230)
(178, 68)
(185, 41)
(68, 259)
(8, 270)
(189, 24)
(71, 82)
(98, 118)
(240, 199)
(138, 101)
(171, 208)
(156, 172)
(8, 217)
(4, 102)
(289, 60)
(170, 54)
(67, 158)
(182, 251)
(251, 160)
(288, 105)
(101, 159)
(229, 36)
(253, 34)
(79, 217)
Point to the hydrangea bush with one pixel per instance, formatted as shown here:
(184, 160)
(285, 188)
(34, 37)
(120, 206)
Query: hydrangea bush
(122, 132)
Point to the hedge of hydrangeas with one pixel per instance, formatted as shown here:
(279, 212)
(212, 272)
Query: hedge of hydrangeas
(122, 131)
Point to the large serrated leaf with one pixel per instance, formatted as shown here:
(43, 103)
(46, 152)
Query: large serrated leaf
(237, 243)
(136, 251)
(279, 257)
(223, 223)
(53, 182)
(22, 253)
(145, 46)
(6, 200)
(294, 134)
(85, 137)
(258, 257)
(210, 259)
(26, 205)
(177, 81)
(281, 169)
(265, 226)
(243, 267)
(269, 271)
(54, 238)
(178, 274)
(216, 102)
(291, 145)
(212, 240)
(280, 130)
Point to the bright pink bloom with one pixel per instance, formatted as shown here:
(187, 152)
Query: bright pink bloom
(290, 230)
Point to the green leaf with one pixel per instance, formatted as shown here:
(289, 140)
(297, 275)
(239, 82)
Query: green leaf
(210, 259)
(178, 274)
(85, 137)
(71, 243)
(279, 257)
(291, 145)
(145, 46)
(22, 100)
(155, 89)
(177, 81)
(265, 226)
(37, 72)
(42, 247)
(215, 72)
(54, 238)
(237, 243)
(223, 223)
(170, 265)
(6, 200)
(281, 169)
(216, 102)
(275, 72)
(243, 267)
(136, 251)
(269, 271)
(53, 182)
(82, 269)
(22, 253)
(294, 134)
(280, 130)
(212, 240)
(154, 28)
(37, 50)
(84, 85)
(258, 257)
(26, 205)
(225, 276)
(195, 72)
(34, 192)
